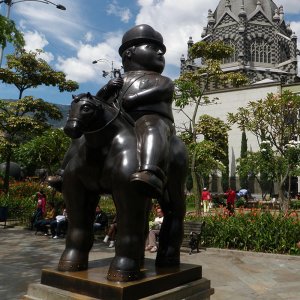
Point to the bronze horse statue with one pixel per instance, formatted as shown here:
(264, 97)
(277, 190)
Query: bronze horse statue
(101, 159)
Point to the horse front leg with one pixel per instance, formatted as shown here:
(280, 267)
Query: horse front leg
(81, 205)
(132, 210)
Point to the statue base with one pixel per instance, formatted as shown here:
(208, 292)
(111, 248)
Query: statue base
(183, 282)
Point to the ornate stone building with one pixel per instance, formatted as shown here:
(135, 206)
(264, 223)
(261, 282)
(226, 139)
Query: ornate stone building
(265, 50)
(265, 47)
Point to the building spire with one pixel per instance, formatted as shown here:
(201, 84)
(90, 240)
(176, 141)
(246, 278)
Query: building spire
(227, 4)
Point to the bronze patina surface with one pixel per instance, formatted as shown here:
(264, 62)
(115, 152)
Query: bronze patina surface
(124, 144)
(93, 282)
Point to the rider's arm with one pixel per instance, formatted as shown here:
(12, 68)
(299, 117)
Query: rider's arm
(110, 88)
(160, 91)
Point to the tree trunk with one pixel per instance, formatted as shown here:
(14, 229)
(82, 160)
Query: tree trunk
(196, 189)
(283, 200)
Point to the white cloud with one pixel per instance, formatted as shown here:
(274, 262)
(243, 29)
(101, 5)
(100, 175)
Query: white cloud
(122, 12)
(55, 23)
(81, 69)
(88, 37)
(176, 21)
(35, 40)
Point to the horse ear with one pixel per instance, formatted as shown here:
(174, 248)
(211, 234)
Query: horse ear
(73, 97)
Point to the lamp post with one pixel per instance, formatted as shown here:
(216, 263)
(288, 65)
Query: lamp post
(113, 73)
(10, 3)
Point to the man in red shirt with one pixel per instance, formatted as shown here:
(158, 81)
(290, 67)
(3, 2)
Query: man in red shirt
(231, 195)
(206, 198)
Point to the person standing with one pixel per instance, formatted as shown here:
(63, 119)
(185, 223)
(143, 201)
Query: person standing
(231, 195)
(206, 198)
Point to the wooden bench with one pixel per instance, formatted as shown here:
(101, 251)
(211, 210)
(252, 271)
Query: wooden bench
(192, 235)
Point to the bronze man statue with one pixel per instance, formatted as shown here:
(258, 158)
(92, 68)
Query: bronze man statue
(129, 160)
(146, 96)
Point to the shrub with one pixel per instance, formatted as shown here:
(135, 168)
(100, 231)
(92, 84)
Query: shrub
(241, 202)
(21, 199)
(254, 231)
(295, 204)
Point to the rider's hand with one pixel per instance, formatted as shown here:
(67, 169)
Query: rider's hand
(114, 84)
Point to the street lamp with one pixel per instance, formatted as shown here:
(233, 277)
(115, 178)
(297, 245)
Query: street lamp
(113, 73)
(10, 3)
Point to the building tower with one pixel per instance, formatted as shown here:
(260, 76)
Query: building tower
(265, 48)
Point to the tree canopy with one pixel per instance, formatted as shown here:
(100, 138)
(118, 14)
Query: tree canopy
(27, 117)
(274, 121)
(190, 90)
(27, 70)
(44, 151)
(10, 34)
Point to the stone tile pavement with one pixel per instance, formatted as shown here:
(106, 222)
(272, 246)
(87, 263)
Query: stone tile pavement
(233, 274)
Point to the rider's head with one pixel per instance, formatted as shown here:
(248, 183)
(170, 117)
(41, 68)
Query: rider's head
(142, 49)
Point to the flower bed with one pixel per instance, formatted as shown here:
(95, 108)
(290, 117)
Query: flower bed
(253, 230)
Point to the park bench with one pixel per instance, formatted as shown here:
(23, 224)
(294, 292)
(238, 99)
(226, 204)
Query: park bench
(192, 234)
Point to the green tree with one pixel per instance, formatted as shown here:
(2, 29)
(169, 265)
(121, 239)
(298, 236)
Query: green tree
(20, 120)
(44, 151)
(190, 90)
(10, 34)
(261, 165)
(275, 120)
(27, 116)
(216, 131)
(26, 70)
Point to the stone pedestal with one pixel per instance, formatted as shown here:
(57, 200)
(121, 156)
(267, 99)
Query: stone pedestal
(183, 282)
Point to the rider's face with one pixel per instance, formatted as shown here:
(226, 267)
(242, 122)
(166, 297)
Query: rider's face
(148, 57)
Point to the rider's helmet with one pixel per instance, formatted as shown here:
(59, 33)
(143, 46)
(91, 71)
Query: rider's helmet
(141, 34)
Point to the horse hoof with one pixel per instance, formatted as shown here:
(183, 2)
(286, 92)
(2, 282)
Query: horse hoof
(124, 269)
(72, 266)
(73, 260)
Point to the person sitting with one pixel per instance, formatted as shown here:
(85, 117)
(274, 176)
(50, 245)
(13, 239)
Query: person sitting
(40, 208)
(101, 219)
(154, 231)
(59, 226)
(41, 225)
(111, 234)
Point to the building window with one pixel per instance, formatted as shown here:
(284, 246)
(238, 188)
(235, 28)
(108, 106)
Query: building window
(234, 56)
(284, 52)
(260, 51)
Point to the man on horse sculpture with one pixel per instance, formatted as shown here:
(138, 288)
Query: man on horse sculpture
(146, 96)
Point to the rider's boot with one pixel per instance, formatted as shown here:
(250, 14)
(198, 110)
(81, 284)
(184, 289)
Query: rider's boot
(149, 182)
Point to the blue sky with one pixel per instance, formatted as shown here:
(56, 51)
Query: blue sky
(92, 29)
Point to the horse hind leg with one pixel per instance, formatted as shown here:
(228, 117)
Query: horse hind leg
(171, 233)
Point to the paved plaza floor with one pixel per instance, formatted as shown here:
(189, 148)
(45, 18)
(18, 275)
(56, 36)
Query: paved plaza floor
(233, 274)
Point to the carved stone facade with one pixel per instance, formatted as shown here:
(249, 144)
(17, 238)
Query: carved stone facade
(265, 47)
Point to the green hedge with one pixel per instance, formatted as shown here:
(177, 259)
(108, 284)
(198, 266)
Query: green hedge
(254, 231)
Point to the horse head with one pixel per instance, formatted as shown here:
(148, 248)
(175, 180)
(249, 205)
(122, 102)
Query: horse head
(84, 115)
